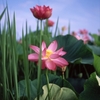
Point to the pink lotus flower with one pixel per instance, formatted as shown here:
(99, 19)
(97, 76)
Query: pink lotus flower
(86, 39)
(50, 23)
(76, 35)
(84, 31)
(41, 12)
(51, 59)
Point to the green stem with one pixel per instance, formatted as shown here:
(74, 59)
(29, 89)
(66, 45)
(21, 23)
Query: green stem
(4, 65)
(48, 95)
(67, 72)
(39, 63)
(86, 71)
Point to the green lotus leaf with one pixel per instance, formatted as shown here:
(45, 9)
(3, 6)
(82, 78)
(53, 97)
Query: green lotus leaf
(57, 93)
(91, 89)
(97, 64)
(76, 49)
(95, 49)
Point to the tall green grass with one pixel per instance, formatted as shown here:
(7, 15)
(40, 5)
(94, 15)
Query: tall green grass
(9, 59)
(14, 64)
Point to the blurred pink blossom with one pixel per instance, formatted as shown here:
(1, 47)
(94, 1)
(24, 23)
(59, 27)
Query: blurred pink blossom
(50, 23)
(76, 35)
(84, 31)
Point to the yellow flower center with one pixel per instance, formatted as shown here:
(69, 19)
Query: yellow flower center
(48, 53)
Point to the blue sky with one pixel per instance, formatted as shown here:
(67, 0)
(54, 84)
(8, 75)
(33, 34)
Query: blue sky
(82, 14)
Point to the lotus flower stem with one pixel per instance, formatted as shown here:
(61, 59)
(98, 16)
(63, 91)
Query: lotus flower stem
(47, 78)
(39, 63)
